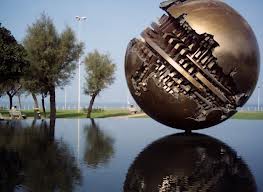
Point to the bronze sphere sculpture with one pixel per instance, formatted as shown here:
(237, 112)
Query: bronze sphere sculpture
(195, 66)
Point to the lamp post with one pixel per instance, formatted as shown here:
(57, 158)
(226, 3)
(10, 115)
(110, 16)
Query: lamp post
(79, 19)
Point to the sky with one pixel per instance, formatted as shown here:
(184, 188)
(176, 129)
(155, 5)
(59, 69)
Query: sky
(109, 28)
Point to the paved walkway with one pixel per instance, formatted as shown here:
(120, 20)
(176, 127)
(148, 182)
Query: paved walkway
(138, 115)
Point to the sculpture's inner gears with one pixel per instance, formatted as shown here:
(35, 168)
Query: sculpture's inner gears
(181, 61)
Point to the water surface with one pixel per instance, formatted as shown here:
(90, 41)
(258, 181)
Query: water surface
(130, 155)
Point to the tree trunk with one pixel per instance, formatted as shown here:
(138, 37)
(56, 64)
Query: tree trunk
(19, 101)
(52, 93)
(35, 100)
(11, 93)
(10, 100)
(93, 96)
(43, 105)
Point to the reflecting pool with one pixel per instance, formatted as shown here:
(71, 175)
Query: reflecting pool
(130, 155)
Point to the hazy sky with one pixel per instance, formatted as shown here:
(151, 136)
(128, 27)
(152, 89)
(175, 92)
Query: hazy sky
(109, 28)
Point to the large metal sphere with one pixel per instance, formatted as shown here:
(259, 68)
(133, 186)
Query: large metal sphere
(189, 163)
(194, 67)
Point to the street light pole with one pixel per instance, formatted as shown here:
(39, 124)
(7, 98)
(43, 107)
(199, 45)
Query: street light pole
(79, 19)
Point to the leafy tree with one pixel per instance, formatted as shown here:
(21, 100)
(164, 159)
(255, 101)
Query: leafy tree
(100, 71)
(52, 56)
(34, 86)
(12, 57)
(13, 64)
(11, 88)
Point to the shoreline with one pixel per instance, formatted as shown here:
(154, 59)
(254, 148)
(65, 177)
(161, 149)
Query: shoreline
(121, 113)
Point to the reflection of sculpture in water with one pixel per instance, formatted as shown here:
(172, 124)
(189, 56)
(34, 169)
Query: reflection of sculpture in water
(99, 146)
(195, 162)
(31, 160)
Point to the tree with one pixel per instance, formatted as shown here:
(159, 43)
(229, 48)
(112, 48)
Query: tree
(11, 88)
(13, 64)
(52, 56)
(33, 85)
(100, 71)
(12, 57)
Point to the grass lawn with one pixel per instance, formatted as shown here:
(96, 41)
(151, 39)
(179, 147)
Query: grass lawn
(75, 114)
(249, 115)
(239, 115)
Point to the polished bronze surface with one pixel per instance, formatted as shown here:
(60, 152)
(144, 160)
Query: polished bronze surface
(195, 66)
(193, 163)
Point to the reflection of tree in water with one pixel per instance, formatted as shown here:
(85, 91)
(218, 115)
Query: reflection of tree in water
(195, 163)
(99, 146)
(31, 160)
